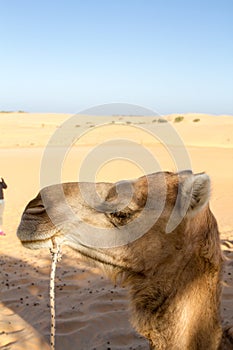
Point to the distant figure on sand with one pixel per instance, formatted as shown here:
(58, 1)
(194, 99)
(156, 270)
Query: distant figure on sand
(3, 186)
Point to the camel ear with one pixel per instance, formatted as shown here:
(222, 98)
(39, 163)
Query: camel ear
(195, 193)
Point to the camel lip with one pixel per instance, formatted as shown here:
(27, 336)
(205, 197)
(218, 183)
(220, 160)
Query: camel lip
(40, 242)
(87, 252)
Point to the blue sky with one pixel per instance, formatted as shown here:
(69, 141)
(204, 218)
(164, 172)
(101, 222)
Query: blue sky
(64, 56)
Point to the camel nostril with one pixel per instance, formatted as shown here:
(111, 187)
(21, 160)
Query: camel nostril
(39, 209)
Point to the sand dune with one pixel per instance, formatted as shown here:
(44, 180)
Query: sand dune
(91, 312)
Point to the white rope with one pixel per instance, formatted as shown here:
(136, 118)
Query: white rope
(56, 256)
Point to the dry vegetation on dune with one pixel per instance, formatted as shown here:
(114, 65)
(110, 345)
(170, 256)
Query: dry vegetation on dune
(34, 130)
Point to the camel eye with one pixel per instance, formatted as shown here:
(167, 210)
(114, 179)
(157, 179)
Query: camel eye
(122, 217)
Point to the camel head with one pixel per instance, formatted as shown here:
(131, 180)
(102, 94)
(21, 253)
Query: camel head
(158, 234)
(120, 224)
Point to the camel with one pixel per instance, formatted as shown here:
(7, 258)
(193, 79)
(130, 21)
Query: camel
(172, 268)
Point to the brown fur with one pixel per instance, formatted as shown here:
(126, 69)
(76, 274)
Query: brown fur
(173, 278)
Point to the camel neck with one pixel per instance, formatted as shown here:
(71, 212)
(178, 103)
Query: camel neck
(180, 309)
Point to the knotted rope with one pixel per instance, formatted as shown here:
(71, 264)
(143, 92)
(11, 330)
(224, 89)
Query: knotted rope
(56, 256)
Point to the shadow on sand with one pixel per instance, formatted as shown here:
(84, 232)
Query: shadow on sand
(91, 312)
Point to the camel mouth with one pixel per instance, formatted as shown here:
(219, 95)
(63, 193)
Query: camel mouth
(88, 253)
(40, 241)
(38, 244)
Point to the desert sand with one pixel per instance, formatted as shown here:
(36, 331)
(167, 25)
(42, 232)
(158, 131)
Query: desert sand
(91, 312)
